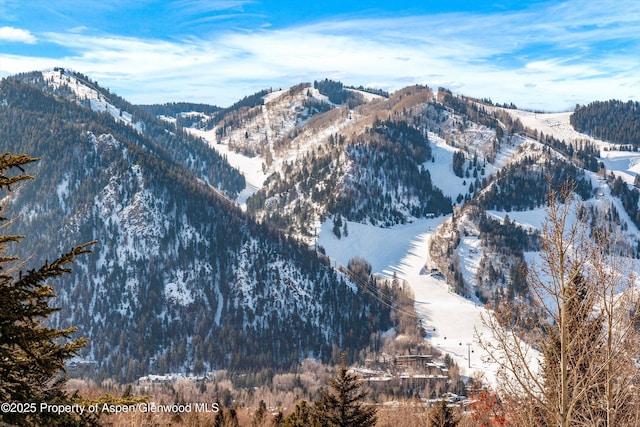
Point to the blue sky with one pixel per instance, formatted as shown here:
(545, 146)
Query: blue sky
(538, 54)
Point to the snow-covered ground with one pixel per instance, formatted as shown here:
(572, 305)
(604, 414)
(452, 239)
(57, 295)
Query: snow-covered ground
(625, 164)
(554, 124)
(450, 320)
(381, 247)
(368, 96)
(250, 167)
(531, 219)
(84, 92)
(280, 114)
(441, 168)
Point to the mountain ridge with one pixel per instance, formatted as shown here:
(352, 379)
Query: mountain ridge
(206, 276)
(180, 279)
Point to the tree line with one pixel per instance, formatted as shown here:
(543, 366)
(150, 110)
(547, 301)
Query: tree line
(614, 121)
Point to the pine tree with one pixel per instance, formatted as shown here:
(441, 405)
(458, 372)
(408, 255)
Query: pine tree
(442, 416)
(32, 355)
(344, 406)
(301, 416)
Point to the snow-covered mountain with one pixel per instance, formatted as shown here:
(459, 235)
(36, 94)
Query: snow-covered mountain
(329, 182)
(181, 279)
(82, 90)
(205, 231)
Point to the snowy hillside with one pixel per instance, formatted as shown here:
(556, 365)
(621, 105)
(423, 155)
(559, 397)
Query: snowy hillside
(251, 167)
(86, 93)
(432, 188)
(181, 279)
(264, 139)
(625, 164)
(451, 321)
(488, 148)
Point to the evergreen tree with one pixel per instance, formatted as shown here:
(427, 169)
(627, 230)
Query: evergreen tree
(615, 121)
(260, 414)
(337, 223)
(458, 163)
(344, 406)
(32, 356)
(442, 416)
(301, 416)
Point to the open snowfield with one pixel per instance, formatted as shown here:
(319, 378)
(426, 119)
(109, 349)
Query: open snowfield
(381, 247)
(441, 169)
(450, 320)
(531, 219)
(554, 124)
(625, 164)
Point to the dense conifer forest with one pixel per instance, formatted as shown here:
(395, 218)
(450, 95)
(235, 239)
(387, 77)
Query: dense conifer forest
(614, 121)
(180, 279)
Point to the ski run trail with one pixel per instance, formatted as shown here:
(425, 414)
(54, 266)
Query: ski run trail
(452, 322)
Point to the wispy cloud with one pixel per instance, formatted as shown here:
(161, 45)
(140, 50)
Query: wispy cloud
(199, 6)
(11, 34)
(548, 57)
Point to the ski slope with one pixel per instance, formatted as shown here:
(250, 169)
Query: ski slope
(625, 164)
(250, 167)
(450, 320)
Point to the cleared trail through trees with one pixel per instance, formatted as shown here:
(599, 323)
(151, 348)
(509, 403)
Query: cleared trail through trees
(449, 319)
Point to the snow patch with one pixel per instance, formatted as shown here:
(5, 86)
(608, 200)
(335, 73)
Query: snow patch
(441, 169)
(85, 93)
(625, 164)
(175, 290)
(381, 247)
(62, 190)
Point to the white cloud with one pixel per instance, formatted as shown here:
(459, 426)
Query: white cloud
(539, 58)
(12, 34)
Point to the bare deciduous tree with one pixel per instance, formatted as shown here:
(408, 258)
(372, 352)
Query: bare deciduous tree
(572, 365)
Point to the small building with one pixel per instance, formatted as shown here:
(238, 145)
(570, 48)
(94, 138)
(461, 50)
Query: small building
(414, 360)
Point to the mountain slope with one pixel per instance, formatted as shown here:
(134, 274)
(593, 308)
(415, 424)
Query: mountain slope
(181, 279)
(198, 283)
(319, 158)
(613, 121)
(169, 141)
